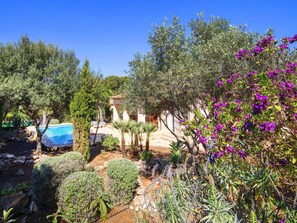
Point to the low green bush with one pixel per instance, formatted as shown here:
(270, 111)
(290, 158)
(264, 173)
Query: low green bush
(110, 142)
(48, 174)
(122, 180)
(77, 193)
(54, 121)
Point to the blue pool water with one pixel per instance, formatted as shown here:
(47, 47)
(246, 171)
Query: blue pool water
(58, 135)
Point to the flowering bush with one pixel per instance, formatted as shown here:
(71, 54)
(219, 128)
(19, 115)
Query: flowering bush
(255, 120)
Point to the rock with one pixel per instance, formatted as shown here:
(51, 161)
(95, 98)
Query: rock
(139, 181)
(10, 156)
(131, 207)
(30, 161)
(140, 191)
(19, 161)
(105, 164)
(35, 156)
(99, 168)
(17, 201)
(33, 208)
(144, 206)
(138, 201)
(20, 172)
(4, 155)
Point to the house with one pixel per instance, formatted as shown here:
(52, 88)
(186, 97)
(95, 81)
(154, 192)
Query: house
(119, 113)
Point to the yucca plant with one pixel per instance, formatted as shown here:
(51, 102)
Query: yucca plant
(122, 127)
(148, 128)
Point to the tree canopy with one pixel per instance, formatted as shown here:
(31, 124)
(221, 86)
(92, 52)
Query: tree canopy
(36, 77)
(183, 64)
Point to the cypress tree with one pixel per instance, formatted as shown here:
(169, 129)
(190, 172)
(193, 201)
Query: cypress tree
(82, 108)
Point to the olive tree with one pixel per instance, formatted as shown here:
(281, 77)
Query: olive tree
(183, 65)
(36, 76)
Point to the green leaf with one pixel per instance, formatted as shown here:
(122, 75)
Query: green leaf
(103, 210)
(278, 107)
(253, 217)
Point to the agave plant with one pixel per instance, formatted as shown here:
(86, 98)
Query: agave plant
(122, 127)
(7, 216)
(148, 128)
(176, 155)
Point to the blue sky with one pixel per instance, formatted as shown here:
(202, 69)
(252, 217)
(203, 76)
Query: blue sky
(110, 32)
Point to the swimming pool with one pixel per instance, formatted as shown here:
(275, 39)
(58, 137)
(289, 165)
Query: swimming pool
(58, 135)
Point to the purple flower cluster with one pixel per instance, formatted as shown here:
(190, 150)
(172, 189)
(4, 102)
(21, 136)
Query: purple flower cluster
(201, 138)
(268, 40)
(286, 85)
(248, 125)
(250, 74)
(260, 46)
(292, 39)
(219, 154)
(273, 74)
(218, 128)
(243, 53)
(261, 102)
(242, 154)
(267, 126)
(291, 67)
(218, 106)
(220, 83)
(284, 46)
(182, 121)
(232, 78)
(257, 50)
(230, 149)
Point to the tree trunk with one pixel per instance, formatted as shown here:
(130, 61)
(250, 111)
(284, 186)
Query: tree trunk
(44, 121)
(123, 146)
(99, 119)
(39, 135)
(135, 144)
(2, 113)
(101, 111)
(39, 145)
(147, 144)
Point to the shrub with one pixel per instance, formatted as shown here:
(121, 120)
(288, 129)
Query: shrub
(110, 142)
(251, 126)
(76, 194)
(49, 173)
(146, 156)
(122, 180)
(54, 121)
